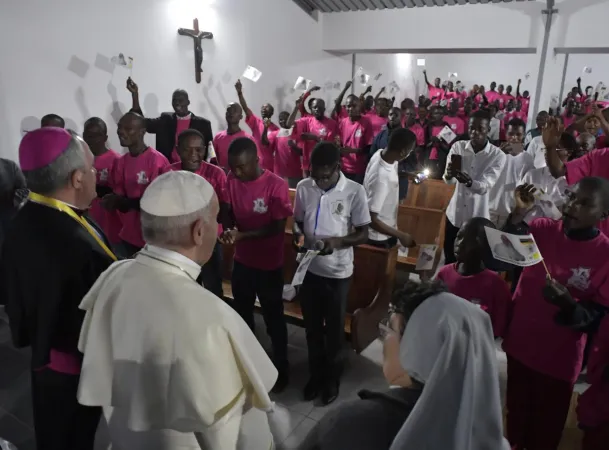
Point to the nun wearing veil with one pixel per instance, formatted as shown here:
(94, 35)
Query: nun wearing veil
(439, 358)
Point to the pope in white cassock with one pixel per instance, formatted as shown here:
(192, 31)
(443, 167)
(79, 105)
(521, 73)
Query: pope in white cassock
(172, 365)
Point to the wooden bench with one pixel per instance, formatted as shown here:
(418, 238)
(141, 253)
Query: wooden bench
(369, 295)
(422, 215)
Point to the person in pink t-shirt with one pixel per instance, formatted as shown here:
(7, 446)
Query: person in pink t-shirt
(450, 93)
(313, 129)
(192, 151)
(257, 125)
(95, 134)
(524, 99)
(436, 93)
(508, 95)
(131, 174)
(222, 140)
(555, 304)
(453, 120)
(379, 118)
(469, 278)
(593, 404)
(339, 111)
(410, 122)
(287, 161)
(259, 206)
(492, 95)
(438, 148)
(568, 116)
(501, 97)
(355, 138)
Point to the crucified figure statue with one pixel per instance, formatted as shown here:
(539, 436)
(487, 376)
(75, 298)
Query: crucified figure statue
(197, 36)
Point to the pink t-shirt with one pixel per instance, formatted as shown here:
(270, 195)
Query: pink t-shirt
(63, 363)
(435, 94)
(593, 405)
(256, 204)
(567, 121)
(435, 131)
(461, 96)
(222, 141)
(449, 95)
(501, 100)
(492, 96)
(419, 132)
(377, 122)
(486, 289)
(182, 124)
(355, 134)
(287, 161)
(131, 175)
(342, 114)
(325, 128)
(592, 164)
(109, 221)
(265, 154)
(533, 337)
(525, 102)
(456, 124)
(214, 176)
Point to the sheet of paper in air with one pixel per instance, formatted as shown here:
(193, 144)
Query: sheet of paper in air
(527, 75)
(123, 61)
(252, 74)
(302, 84)
(305, 262)
(453, 74)
(447, 135)
(427, 254)
(377, 76)
(421, 62)
(587, 69)
(547, 206)
(520, 250)
(393, 87)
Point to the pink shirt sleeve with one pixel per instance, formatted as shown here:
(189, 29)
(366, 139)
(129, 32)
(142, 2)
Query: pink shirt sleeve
(301, 126)
(440, 275)
(580, 167)
(161, 165)
(281, 206)
(255, 124)
(221, 188)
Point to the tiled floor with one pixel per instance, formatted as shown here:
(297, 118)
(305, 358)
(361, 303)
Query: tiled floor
(16, 424)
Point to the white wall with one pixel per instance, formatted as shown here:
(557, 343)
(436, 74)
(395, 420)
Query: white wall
(55, 58)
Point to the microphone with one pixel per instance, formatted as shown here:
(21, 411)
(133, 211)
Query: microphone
(319, 246)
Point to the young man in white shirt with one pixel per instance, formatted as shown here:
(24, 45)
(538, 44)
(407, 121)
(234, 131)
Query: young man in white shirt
(381, 183)
(330, 215)
(480, 164)
(517, 163)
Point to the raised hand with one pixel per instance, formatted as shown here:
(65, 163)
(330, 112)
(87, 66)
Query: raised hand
(314, 88)
(131, 86)
(368, 90)
(238, 86)
(551, 132)
(348, 84)
(525, 196)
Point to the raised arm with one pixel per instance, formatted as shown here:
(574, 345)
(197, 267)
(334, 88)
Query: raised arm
(242, 102)
(152, 125)
(381, 90)
(339, 100)
(292, 118)
(426, 80)
(518, 88)
(579, 86)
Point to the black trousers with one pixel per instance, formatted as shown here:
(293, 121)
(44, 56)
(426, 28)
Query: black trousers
(324, 305)
(450, 234)
(211, 273)
(60, 422)
(247, 283)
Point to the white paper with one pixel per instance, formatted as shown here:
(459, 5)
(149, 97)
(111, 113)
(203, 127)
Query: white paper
(402, 252)
(520, 250)
(447, 135)
(358, 72)
(302, 84)
(305, 262)
(393, 87)
(123, 61)
(547, 206)
(453, 74)
(252, 74)
(527, 75)
(587, 69)
(364, 78)
(377, 76)
(289, 292)
(427, 254)
(421, 62)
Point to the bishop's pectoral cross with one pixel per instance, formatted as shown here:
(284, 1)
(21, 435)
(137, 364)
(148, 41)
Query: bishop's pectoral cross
(197, 37)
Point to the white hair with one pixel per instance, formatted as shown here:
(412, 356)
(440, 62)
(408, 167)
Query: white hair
(172, 231)
(57, 174)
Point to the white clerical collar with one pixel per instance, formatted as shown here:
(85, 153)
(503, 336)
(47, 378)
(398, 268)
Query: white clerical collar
(188, 265)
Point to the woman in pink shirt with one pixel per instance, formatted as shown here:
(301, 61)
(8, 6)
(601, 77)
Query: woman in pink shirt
(257, 125)
(470, 279)
(95, 134)
(546, 337)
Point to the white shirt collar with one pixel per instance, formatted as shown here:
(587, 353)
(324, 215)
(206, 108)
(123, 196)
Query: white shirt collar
(187, 264)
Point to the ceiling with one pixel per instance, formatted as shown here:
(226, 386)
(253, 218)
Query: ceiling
(329, 6)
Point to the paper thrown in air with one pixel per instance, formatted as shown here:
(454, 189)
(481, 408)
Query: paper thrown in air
(393, 87)
(421, 62)
(377, 76)
(527, 75)
(453, 74)
(447, 135)
(123, 61)
(520, 250)
(305, 262)
(302, 84)
(587, 69)
(252, 74)
(427, 254)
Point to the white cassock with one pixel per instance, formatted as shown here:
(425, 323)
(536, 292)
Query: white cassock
(166, 359)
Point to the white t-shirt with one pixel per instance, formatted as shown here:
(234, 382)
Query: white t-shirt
(381, 183)
(537, 151)
(502, 192)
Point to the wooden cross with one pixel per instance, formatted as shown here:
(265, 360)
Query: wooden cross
(197, 36)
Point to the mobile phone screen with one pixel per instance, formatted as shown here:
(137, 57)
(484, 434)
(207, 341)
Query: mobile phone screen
(455, 161)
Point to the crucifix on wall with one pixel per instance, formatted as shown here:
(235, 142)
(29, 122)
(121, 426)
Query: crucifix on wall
(197, 36)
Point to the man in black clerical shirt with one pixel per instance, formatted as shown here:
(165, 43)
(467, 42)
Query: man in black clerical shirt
(51, 257)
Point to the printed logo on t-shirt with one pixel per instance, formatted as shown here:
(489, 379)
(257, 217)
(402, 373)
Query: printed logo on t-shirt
(358, 133)
(103, 175)
(454, 126)
(338, 208)
(142, 178)
(580, 278)
(259, 206)
(323, 132)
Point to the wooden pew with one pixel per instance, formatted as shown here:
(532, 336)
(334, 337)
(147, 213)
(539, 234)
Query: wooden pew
(369, 295)
(422, 214)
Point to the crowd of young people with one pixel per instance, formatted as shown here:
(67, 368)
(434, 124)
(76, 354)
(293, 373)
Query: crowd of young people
(350, 169)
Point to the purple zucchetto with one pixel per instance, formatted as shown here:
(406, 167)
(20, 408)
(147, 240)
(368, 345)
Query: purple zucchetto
(41, 147)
